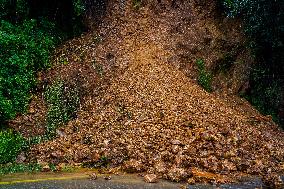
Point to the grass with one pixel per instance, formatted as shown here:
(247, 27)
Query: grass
(68, 169)
(19, 168)
(10, 168)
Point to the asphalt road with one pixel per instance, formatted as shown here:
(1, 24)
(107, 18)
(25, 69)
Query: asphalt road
(54, 181)
(103, 184)
(87, 184)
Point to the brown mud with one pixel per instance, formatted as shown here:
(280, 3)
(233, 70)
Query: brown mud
(141, 107)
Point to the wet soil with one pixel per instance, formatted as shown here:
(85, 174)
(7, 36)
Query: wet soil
(142, 109)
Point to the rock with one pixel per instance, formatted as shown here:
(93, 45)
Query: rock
(176, 142)
(60, 166)
(60, 133)
(279, 182)
(127, 123)
(42, 163)
(106, 143)
(57, 154)
(151, 178)
(191, 181)
(228, 166)
(95, 157)
(21, 158)
(32, 110)
(45, 168)
(175, 149)
(93, 176)
(108, 177)
(77, 164)
(132, 166)
(160, 167)
(177, 174)
(243, 166)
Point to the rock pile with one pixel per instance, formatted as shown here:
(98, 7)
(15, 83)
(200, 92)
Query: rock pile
(149, 116)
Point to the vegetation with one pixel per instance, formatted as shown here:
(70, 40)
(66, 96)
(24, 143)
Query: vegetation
(63, 102)
(79, 7)
(137, 4)
(264, 26)
(98, 67)
(204, 77)
(17, 168)
(24, 50)
(10, 146)
(29, 31)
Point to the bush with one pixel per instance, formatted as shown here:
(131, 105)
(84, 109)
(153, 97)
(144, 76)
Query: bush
(263, 21)
(204, 77)
(25, 46)
(24, 50)
(265, 94)
(79, 7)
(28, 32)
(10, 146)
(19, 168)
(62, 102)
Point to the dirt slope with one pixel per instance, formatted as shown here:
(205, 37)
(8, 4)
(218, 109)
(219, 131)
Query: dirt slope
(142, 111)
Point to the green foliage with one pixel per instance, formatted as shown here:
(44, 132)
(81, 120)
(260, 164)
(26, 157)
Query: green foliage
(10, 146)
(62, 102)
(266, 94)
(235, 7)
(104, 161)
(79, 7)
(52, 167)
(137, 3)
(67, 15)
(13, 10)
(98, 68)
(263, 20)
(226, 62)
(24, 49)
(68, 168)
(29, 30)
(19, 168)
(264, 26)
(205, 77)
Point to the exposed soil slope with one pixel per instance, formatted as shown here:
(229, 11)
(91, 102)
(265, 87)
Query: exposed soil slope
(142, 111)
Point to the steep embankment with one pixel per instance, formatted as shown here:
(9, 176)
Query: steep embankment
(142, 111)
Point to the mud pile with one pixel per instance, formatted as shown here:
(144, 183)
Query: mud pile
(141, 112)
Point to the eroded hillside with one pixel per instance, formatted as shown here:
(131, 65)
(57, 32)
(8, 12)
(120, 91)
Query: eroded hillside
(141, 107)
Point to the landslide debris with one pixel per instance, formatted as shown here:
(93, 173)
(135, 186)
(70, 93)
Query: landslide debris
(141, 113)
